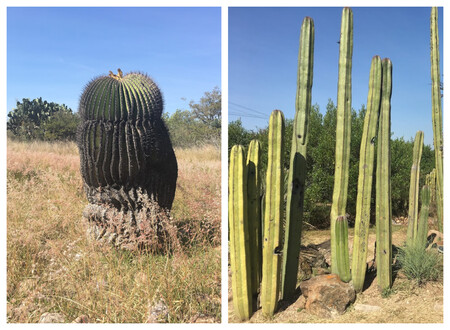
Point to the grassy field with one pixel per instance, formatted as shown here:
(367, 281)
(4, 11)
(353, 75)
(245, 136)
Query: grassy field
(53, 267)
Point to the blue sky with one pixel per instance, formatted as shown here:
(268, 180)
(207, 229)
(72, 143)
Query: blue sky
(55, 52)
(263, 53)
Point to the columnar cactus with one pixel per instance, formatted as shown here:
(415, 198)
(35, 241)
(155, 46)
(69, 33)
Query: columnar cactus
(437, 114)
(271, 264)
(366, 162)
(413, 212)
(127, 162)
(239, 235)
(254, 212)
(422, 227)
(343, 134)
(297, 169)
(383, 183)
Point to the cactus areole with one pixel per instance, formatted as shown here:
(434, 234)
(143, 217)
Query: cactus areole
(127, 161)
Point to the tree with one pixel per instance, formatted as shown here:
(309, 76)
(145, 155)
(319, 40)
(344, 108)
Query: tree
(28, 119)
(209, 109)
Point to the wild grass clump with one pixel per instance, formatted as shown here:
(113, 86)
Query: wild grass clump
(419, 264)
(53, 267)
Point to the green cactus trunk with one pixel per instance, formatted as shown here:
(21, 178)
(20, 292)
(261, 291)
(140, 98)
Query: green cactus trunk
(343, 134)
(297, 168)
(254, 213)
(365, 177)
(432, 185)
(273, 212)
(239, 235)
(422, 228)
(437, 114)
(127, 161)
(383, 183)
(341, 231)
(413, 212)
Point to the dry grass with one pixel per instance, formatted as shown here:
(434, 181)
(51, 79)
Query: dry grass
(52, 267)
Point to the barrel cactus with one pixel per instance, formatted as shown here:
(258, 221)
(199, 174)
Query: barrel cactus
(127, 161)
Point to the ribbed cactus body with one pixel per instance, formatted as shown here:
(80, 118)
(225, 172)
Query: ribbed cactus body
(437, 114)
(126, 155)
(366, 162)
(254, 212)
(343, 135)
(273, 212)
(383, 212)
(297, 167)
(240, 257)
(413, 212)
(422, 226)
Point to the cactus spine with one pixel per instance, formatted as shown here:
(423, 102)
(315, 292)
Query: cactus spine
(254, 212)
(239, 235)
(365, 177)
(414, 189)
(422, 227)
(383, 183)
(343, 131)
(273, 212)
(297, 168)
(437, 114)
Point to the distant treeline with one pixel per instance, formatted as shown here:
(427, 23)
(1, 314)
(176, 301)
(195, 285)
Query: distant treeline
(320, 162)
(42, 120)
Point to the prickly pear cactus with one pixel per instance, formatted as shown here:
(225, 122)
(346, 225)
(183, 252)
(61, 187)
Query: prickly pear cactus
(127, 161)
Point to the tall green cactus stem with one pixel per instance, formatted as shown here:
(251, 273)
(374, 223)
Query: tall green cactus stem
(127, 161)
(239, 235)
(341, 231)
(383, 212)
(422, 228)
(254, 212)
(297, 169)
(413, 212)
(273, 212)
(366, 162)
(432, 185)
(343, 134)
(437, 114)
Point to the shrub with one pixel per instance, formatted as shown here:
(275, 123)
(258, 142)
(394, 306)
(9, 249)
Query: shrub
(419, 264)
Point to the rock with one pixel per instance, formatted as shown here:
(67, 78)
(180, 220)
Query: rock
(300, 303)
(81, 319)
(52, 318)
(327, 296)
(366, 308)
(158, 313)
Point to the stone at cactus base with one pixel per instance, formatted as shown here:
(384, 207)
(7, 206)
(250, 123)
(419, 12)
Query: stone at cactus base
(81, 319)
(327, 296)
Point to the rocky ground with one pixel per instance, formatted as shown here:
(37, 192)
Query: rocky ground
(404, 303)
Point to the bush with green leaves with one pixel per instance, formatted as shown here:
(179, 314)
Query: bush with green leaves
(419, 264)
(42, 120)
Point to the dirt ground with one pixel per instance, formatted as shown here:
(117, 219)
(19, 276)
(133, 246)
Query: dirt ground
(406, 303)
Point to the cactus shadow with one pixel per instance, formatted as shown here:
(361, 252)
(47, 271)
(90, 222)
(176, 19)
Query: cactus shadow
(285, 303)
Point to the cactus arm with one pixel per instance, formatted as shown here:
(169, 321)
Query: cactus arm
(254, 212)
(239, 235)
(297, 168)
(271, 264)
(413, 211)
(437, 114)
(383, 183)
(366, 163)
(343, 131)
